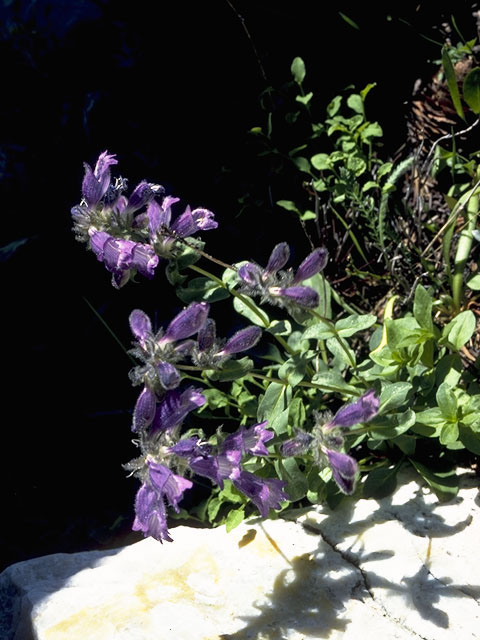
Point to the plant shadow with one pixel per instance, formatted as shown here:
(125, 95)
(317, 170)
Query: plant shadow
(313, 595)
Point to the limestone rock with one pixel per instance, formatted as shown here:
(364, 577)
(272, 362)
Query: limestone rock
(404, 567)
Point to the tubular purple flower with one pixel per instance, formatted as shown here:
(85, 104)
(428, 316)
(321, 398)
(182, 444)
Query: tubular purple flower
(167, 483)
(265, 493)
(175, 407)
(97, 242)
(204, 219)
(95, 183)
(144, 259)
(250, 273)
(144, 411)
(303, 296)
(168, 375)
(140, 326)
(362, 410)
(206, 335)
(143, 194)
(249, 440)
(344, 470)
(312, 264)
(278, 259)
(298, 445)
(186, 323)
(241, 341)
(150, 514)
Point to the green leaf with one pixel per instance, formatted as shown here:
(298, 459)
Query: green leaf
(384, 169)
(288, 205)
(452, 82)
(372, 130)
(7, 251)
(370, 184)
(274, 407)
(293, 371)
(391, 426)
(296, 412)
(474, 283)
(444, 484)
(234, 518)
(364, 92)
(403, 332)
(333, 381)
(288, 471)
(334, 106)
(349, 21)
(471, 90)
(394, 395)
(341, 350)
(298, 70)
(405, 443)
(469, 439)
(304, 99)
(356, 165)
(308, 215)
(422, 308)
(447, 401)
(321, 330)
(380, 483)
(215, 399)
(251, 311)
(459, 331)
(302, 164)
(280, 328)
(320, 161)
(449, 433)
(346, 327)
(355, 103)
(232, 370)
(202, 289)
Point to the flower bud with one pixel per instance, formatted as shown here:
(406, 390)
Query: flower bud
(312, 264)
(278, 258)
(344, 470)
(186, 323)
(362, 410)
(241, 341)
(303, 296)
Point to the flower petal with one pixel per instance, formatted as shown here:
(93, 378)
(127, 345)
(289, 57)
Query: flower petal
(144, 411)
(312, 264)
(362, 410)
(278, 258)
(168, 375)
(140, 326)
(241, 341)
(344, 470)
(186, 323)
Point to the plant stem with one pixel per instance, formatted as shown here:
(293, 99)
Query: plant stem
(463, 249)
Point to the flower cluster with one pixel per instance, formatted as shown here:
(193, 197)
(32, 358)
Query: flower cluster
(166, 459)
(160, 352)
(326, 440)
(130, 235)
(280, 287)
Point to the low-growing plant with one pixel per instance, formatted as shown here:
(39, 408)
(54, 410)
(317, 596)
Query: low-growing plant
(325, 404)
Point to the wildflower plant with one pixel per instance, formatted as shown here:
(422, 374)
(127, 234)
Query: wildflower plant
(323, 406)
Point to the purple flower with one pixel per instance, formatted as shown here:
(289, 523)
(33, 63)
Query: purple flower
(95, 183)
(278, 258)
(141, 326)
(344, 470)
(302, 296)
(241, 341)
(188, 223)
(143, 194)
(144, 411)
(175, 407)
(313, 264)
(186, 323)
(249, 440)
(121, 256)
(280, 287)
(265, 493)
(150, 512)
(362, 410)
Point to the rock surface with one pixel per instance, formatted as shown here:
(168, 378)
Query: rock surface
(404, 567)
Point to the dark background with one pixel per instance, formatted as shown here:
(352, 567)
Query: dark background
(173, 91)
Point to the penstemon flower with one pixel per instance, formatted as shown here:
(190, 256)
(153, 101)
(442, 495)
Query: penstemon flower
(280, 287)
(326, 440)
(131, 234)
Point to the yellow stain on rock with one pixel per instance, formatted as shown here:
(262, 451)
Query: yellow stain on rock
(133, 609)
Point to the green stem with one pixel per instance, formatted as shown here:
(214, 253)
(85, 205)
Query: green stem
(110, 331)
(337, 337)
(463, 249)
(310, 385)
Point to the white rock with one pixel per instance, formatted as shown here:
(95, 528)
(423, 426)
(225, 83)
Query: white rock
(403, 568)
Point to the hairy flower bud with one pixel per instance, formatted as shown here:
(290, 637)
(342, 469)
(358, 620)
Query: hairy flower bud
(186, 323)
(312, 264)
